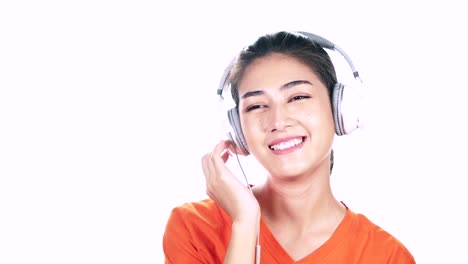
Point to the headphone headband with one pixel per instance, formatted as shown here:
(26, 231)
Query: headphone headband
(325, 43)
(321, 41)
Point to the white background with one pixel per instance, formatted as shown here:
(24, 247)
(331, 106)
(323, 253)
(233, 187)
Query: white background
(106, 108)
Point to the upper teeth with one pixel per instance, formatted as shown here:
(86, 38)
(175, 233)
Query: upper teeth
(287, 144)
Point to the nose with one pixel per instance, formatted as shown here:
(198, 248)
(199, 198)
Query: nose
(279, 119)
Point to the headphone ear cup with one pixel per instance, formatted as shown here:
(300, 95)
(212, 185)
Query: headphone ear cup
(336, 104)
(345, 109)
(238, 137)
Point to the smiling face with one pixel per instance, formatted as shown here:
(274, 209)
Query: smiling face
(286, 115)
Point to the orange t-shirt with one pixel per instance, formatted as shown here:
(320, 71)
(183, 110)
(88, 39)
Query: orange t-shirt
(199, 232)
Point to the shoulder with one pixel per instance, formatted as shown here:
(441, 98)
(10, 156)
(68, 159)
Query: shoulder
(204, 210)
(196, 232)
(200, 213)
(375, 232)
(379, 241)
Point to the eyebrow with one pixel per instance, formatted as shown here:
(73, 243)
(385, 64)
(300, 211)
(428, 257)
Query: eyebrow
(284, 86)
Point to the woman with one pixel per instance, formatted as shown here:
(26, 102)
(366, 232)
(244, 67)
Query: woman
(283, 87)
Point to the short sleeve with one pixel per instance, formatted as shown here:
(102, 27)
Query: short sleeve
(402, 256)
(398, 253)
(178, 246)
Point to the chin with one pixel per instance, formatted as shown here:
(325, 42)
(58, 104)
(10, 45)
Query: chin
(294, 168)
(289, 170)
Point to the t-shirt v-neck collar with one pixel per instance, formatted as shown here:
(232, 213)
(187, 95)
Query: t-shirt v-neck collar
(269, 243)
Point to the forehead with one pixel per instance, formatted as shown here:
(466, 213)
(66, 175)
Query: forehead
(274, 70)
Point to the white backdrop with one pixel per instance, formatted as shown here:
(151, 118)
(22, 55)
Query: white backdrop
(106, 108)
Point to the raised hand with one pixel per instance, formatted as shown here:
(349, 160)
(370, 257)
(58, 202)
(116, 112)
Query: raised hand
(226, 189)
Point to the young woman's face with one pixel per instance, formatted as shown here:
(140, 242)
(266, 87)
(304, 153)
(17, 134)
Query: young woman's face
(286, 115)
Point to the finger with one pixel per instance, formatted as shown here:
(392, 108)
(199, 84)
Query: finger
(225, 156)
(219, 152)
(207, 169)
(211, 170)
(220, 147)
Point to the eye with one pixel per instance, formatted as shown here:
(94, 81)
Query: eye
(298, 97)
(254, 107)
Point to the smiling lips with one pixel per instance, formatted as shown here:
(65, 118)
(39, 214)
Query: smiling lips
(286, 145)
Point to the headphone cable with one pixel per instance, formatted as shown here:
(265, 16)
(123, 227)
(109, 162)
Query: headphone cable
(257, 246)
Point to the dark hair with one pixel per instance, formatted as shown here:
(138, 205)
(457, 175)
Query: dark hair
(291, 44)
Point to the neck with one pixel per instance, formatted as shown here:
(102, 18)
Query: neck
(303, 203)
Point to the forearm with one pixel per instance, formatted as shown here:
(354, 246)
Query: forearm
(242, 244)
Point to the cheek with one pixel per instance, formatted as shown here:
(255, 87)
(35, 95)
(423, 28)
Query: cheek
(251, 126)
(318, 119)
